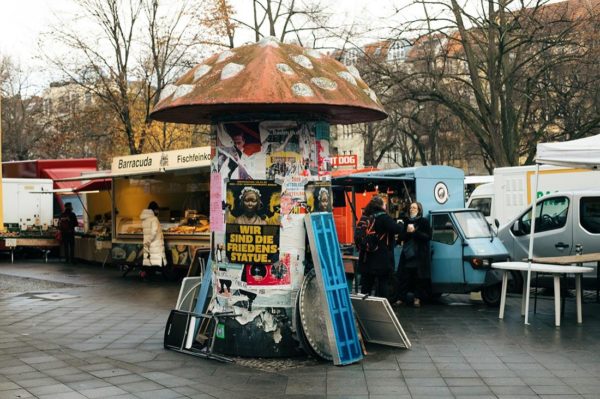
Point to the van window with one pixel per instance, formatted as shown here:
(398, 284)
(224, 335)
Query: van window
(483, 204)
(550, 214)
(589, 214)
(443, 230)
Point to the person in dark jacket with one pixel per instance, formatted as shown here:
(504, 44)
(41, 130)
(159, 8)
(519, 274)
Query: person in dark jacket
(414, 269)
(377, 267)
(66, 224)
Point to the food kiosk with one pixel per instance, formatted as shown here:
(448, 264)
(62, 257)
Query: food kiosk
(270, 106)
(178, 181)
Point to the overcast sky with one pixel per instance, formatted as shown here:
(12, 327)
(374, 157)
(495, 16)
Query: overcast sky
(22, 21)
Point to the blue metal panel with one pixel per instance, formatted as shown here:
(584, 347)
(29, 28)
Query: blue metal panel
(329, 268)
(204, 292)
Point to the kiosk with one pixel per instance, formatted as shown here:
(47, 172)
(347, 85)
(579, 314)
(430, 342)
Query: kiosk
(270, 106)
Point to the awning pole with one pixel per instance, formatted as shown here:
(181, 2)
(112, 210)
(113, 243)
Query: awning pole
(531, 234)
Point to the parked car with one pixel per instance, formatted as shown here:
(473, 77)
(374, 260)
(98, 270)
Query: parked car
(564, 221)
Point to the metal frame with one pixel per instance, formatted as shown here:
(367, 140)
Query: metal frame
(365, 319)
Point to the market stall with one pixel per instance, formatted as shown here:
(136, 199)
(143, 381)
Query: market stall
(28, 219)
(178, 181)
(93, 242)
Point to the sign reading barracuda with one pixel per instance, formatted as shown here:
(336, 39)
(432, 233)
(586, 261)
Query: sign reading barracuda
(161, 161)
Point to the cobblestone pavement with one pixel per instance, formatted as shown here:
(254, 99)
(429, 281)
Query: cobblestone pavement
(103, 339)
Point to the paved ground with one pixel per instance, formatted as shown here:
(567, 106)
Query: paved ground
(105, 341)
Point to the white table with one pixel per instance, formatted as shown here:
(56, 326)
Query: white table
(555, 270)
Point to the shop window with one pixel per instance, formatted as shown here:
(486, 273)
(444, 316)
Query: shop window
(443, 230)
(589, 214)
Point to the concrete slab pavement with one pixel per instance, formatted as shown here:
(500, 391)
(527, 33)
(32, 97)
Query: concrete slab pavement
(104, 340)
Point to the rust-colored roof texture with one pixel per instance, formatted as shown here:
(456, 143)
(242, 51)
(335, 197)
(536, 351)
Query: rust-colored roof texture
(269, 77)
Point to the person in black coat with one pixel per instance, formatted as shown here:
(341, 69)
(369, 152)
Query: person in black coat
(67, 223)
(378, 266)
(414, 269)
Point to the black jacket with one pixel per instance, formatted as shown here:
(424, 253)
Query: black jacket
(420, 238)
(68, 222)
(381, 261)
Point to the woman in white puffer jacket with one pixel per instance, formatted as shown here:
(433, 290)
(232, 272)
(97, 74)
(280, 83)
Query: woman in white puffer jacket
(154, 243)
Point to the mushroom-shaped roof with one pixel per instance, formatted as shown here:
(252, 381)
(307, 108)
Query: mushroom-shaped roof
(269, 76)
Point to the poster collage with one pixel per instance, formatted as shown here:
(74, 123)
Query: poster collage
(265, 177)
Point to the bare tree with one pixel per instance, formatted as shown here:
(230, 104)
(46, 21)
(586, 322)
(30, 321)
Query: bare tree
(492, 67)
(134, 47)
(22, 126)
(288, 20)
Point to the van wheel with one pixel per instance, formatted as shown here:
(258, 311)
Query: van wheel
(491, 294)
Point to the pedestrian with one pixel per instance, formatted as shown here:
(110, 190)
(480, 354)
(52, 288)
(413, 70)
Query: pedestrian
(66, 224)
(414, 268)
(376, 264)
(154, 243)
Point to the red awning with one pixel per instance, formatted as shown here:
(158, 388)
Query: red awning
(62, 173)
(95, 185)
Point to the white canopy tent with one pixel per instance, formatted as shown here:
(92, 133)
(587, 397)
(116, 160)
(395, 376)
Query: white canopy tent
(582, 153)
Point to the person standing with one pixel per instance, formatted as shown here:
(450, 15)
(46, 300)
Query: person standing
(67, 223)
(154, 243)
(377, 266)
(414, 269)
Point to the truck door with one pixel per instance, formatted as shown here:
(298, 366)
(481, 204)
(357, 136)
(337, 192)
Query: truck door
(28, 204)
(446, 259)
(553, 229)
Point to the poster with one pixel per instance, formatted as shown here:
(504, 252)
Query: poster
(323, 159)
(252, 230)
(217, 223)
(290, 149)
(276, 274)
(239, 151)
(323, 196)
(318, 196)
(282, 149)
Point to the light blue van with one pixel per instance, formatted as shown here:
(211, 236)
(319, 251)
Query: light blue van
(463, 246)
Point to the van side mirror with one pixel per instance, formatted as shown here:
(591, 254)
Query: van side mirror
(516, 228)
(496, 223)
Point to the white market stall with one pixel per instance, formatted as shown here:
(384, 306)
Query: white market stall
(178, 181)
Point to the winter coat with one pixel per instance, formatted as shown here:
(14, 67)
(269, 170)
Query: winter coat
(154, 243)
(381, 261)
(420, 239)
(67, 222)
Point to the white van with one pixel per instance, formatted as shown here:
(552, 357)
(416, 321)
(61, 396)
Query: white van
(564, 221)
(512, 189)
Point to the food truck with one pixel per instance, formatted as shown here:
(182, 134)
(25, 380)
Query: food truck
(463, 246)
(178, 181)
